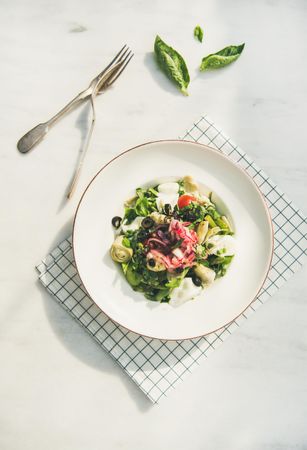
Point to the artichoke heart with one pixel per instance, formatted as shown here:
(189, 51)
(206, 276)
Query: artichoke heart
(202, 231)
(192, 188)
(189, 184)
(119, 252)
(212, 232)
(159, 218)
(206, 275)
(154, 264)
(158, 267)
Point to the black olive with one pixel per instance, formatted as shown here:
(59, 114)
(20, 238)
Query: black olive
(196, 280)
(168, 209)
(116, 221)
(147, 223)
(142, 235)
(151, 262)
(179, 269)
(190, 217)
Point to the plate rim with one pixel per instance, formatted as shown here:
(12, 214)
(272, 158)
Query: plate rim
(243, 171)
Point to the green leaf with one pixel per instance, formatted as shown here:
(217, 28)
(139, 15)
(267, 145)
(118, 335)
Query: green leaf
(222, 58)
(140, 192)
(133, 277)
(198, 33)
(204, 262)
(125, 267)
(130, 215)
(220, 223)
(162, 295)
(213, 213)
(153, 192)
(210, 220)
(126, 242)
(175, 282)
(144, 205)
(181, 187)
(223, 260)
(141, 207)
(172, 64)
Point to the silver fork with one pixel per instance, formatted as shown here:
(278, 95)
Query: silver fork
(101, 82)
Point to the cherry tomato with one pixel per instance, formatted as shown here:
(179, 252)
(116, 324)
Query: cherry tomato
(185, 200)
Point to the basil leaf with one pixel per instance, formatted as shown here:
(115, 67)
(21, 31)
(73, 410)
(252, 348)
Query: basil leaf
(222, 58)
(172, 64)
(198, 33)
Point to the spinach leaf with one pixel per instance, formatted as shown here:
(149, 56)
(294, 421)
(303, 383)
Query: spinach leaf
(142, 207)
(130, 215)
(222, 58)
(198, 33)
(172, 64)
(144, 204)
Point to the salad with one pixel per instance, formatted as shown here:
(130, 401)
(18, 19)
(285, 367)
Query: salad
(172, 242)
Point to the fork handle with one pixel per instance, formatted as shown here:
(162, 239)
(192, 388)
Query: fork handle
(34, 136)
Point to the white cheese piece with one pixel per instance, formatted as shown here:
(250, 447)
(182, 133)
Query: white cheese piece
(168, 188)
(223, 245)
(164, 199)
(167, 194)
(186, 291)
(178, 253)
(134, 225)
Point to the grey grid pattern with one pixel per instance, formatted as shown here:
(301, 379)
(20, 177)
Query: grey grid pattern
(158, 366)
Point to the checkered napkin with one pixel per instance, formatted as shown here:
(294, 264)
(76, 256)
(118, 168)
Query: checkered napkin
(158, 366)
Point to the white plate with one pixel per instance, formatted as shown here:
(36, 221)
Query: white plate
(236, 195)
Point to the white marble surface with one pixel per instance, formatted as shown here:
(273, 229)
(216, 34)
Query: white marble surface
(58, 390)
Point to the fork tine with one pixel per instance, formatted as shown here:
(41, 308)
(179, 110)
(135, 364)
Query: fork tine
(125, 62)
(125, 55)
(118, 67)
(118, 56)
